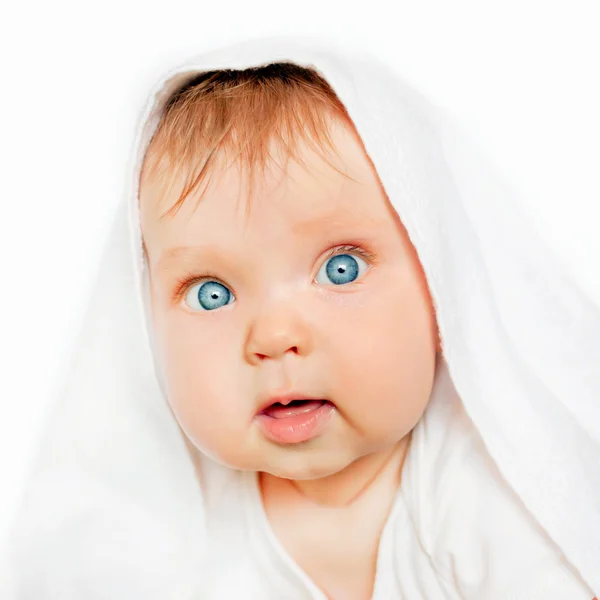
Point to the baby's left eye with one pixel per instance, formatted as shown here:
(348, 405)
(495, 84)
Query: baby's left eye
(341, 269)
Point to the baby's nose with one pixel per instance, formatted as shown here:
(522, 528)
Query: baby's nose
(275, 333)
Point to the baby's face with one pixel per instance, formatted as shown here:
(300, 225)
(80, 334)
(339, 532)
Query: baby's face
(278, 302)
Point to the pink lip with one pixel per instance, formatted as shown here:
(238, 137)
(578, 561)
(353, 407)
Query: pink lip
(299, 427)
(285, 398)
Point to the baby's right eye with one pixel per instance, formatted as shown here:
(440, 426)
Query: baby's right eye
(341, 269)
(209, 294)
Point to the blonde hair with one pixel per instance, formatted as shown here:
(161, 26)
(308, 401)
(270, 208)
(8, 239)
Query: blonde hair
(241, 110)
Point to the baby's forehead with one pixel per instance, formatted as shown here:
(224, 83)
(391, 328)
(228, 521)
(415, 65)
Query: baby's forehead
(282, 224)
(304, 198)
(284, 227)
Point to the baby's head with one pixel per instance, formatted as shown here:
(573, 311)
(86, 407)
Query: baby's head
(302, 280)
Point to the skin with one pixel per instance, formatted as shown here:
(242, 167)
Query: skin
(369, 345)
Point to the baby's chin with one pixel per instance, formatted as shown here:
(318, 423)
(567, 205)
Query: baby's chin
(297, 462)
(317, 458)
(301, 468)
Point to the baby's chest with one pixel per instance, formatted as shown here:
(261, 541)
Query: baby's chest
(315, 562)
(337, 553)
(351, 562)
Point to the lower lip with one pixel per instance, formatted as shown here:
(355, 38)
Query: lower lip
(297, 428)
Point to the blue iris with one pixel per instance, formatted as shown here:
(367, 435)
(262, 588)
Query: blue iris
(213, 295)
(342, 268)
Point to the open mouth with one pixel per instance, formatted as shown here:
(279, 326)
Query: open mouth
(296, 421)
(295, 407)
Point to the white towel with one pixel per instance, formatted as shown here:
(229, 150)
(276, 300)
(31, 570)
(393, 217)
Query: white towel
(111, 509)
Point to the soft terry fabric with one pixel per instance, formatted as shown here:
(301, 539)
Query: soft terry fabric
(115, 507)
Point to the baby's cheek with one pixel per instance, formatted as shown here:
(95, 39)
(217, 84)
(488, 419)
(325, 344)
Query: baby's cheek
(208, 399)
(198, 371)
(385, 369)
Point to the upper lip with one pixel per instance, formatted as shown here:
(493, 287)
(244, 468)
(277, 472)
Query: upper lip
(285, 398)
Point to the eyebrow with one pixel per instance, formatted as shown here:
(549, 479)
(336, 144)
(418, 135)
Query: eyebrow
(171, 255)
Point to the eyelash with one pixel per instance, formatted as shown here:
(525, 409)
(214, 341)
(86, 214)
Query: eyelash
(189, 278)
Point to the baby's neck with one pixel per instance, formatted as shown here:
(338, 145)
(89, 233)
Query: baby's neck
(381, 470)
(331, 537)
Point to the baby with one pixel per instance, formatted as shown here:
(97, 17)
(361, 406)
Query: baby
(290, 328)
(300, 348)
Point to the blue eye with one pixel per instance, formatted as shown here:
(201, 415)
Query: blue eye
(211, 295)
(341, 269)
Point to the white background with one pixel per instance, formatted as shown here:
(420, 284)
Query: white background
(523, 75)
